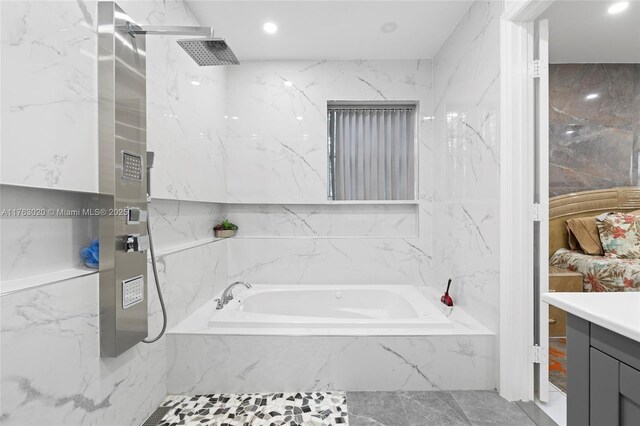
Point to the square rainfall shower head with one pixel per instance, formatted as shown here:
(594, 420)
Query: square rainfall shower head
(209, 51)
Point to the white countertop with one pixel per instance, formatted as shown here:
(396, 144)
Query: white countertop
(618, 312)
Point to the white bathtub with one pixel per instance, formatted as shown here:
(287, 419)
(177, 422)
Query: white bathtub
(336, 309)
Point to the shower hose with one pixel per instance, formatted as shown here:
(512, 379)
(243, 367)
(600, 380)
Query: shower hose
(157, 281)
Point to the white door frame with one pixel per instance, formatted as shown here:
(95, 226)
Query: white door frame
(517, 102)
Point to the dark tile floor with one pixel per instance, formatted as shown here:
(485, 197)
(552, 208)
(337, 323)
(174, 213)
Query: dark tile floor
(440, 409)
(433, 408)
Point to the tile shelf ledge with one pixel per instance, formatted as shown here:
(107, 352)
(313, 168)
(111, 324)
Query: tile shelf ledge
(326, 237)
(231, 202)
(20, 284)
(12, 286)
(329, 203)
(186, 246)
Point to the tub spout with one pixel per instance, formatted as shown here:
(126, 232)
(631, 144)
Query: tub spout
(227, 295)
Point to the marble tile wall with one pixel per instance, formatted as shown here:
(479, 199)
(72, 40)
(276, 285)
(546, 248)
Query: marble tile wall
(329, 261)
(466, 150)
(51, 371)
(276, 135)
(49, 77)
(179, 222)
(200, 363)
(54, 43)
(325, 220)
(263, 155)
(594, 142)
(277, 153)
(34, 245)
(185, 104)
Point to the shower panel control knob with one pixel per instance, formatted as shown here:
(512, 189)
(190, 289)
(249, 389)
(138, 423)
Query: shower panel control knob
(135, 215)
(136, 242)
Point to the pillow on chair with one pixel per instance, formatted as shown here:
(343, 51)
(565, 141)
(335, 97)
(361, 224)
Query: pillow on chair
(584, 235)
(620, 235)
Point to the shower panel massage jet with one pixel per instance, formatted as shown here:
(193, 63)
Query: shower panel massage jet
(123, 174)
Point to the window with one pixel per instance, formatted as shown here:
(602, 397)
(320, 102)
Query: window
(372, 150)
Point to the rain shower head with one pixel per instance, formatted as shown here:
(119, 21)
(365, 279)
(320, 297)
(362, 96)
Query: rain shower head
(209, 51)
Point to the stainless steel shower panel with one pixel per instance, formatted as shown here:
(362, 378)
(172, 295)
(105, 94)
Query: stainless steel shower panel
(122, 182)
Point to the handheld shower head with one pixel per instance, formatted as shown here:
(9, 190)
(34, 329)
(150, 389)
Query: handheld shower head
(150, 157)
(209, 51)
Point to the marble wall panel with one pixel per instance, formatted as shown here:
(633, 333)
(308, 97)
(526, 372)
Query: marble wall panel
(276, 134)
(49, 94)
(209, 363)
(325, 220)
(594, 126)
(330, 261)
(466, 157)
(51, 371)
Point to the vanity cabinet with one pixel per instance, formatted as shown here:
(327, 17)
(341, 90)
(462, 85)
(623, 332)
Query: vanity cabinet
(603, 376)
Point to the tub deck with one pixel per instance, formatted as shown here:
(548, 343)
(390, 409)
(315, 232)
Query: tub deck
(428, 318)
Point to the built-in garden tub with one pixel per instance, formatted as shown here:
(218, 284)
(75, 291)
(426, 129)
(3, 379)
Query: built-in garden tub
(321, 337)
(328, 309)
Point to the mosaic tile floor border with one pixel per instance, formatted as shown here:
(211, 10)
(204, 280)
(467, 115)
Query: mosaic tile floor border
(257, 409)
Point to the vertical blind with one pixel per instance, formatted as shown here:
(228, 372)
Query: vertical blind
(371, 152)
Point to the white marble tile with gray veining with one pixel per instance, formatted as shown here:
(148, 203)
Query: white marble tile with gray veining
(276, 133)
(465, 210)
(52, 372)
(325, 220)
(176, 222)
(49, 56)
(46, 232)
(330, 261)
(210, 363)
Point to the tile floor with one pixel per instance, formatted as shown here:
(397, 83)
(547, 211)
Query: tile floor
(556, 407)
(434, 408)
(439, 409)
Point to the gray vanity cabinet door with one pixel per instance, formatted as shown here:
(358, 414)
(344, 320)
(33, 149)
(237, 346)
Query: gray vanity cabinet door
(629, 396)
(604, 390)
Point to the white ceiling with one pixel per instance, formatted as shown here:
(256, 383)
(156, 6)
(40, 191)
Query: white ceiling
(332, 29)
(583, 32)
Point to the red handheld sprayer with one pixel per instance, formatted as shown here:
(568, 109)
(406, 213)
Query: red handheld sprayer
(446, 299)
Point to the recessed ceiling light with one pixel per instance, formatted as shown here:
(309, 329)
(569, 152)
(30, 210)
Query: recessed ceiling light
(226, 116)
(270, 28)
(234, 117)
(299, 118)
(388, 27)
(195, 83)
(288, 83)
(618, 7)
(591, 96)
(569, 132)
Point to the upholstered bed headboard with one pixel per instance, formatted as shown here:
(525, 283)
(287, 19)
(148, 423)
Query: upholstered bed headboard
(587, 203)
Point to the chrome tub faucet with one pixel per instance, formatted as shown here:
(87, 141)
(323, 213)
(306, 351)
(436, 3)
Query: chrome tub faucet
(227, 295)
